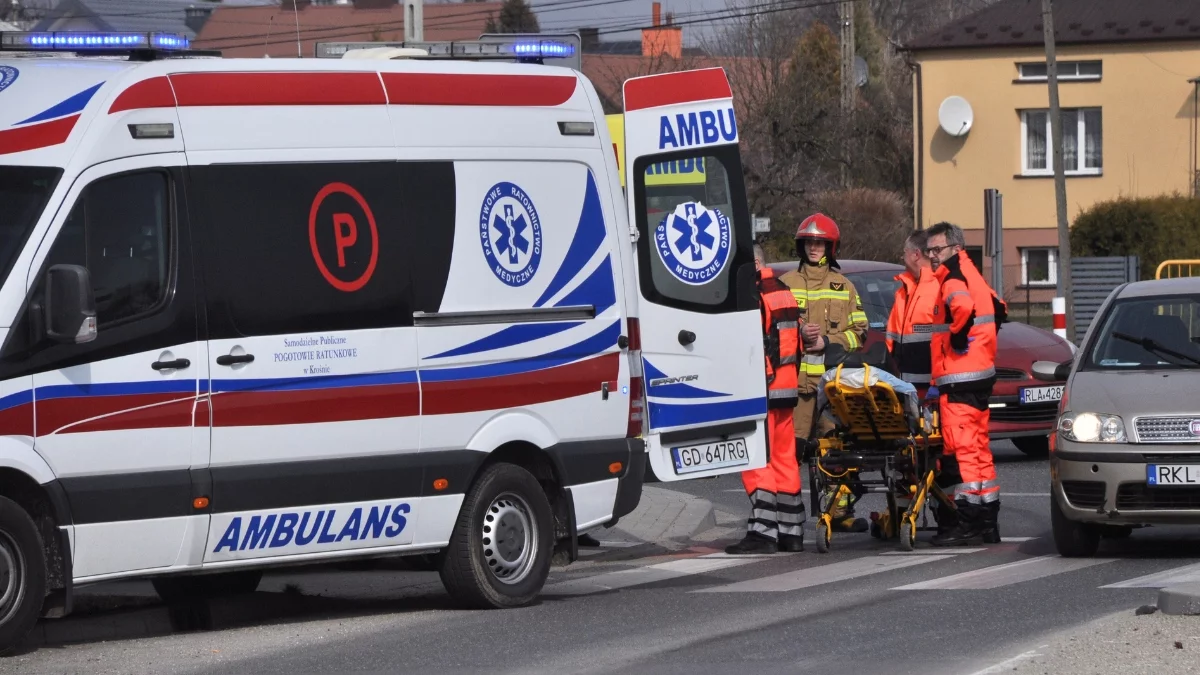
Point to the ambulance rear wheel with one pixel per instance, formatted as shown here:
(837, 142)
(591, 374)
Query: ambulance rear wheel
(22, 574)
(500, 549)
(202, 586)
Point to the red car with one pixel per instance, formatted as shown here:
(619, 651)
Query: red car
(1024, 410)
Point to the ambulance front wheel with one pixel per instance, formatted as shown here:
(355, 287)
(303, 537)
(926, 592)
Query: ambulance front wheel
(22, 574)
(500, 549)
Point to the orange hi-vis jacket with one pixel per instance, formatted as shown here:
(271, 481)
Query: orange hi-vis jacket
(964, 357)
(781, 340)
(911, 325)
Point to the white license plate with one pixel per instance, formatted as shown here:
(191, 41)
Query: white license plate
(707, 456)
(1041, 394)
(1172, 474)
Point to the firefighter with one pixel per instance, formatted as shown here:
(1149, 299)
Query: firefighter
(830, 313)
(914, 319)
(776, 509)
(964, 371)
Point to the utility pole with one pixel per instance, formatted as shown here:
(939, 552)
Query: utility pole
(1065, 287)
(846, 14)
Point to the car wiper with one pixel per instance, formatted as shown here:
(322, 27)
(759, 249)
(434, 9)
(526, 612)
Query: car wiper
(1151, 346)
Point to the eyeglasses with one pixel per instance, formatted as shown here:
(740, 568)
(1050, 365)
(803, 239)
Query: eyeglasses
(935, 250)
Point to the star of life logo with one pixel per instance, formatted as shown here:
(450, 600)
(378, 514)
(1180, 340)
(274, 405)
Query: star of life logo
(693, 242)
(8, 75)
(511, 234)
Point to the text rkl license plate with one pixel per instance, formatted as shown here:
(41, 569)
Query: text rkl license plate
(708, 456)
(1172, 474)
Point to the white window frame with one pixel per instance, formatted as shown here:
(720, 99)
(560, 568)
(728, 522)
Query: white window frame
(1068, 71)
(1052, 258)
(1080, 147)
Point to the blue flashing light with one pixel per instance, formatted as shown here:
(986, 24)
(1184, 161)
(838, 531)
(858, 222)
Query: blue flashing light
(544, 49)
(89, 41)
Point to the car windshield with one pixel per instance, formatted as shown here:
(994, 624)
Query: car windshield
(1158, 333)
(878, 292)
(24, 191)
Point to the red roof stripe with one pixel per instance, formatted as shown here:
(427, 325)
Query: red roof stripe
(155, 92)
(482, 90)
(657, 91)
(36, 136)
(231, 89)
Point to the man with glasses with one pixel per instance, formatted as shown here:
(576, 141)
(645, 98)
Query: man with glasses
(964, 371)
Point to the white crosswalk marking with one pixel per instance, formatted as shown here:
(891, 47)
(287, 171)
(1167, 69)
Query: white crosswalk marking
(1177, 575)
(1006, 574)
(825, 574)
(645, 575)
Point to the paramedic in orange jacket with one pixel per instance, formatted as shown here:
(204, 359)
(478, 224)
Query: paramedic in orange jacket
(964, 370)
(914, 320)
(776, 510)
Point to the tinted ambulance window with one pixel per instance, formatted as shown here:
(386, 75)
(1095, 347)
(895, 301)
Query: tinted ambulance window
(695, 232)
(119, 229)
(303, 247)
(24, 191)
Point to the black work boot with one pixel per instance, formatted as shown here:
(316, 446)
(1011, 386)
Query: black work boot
(791, 543)
(968, 528)
(991, 526)
(946, 518)
(752, 544)
(587, 541)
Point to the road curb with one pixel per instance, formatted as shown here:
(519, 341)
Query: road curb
(1181, 599)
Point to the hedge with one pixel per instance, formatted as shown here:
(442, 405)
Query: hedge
(1153, 228)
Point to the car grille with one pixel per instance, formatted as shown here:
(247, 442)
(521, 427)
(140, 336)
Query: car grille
(1010, 374)
(1135, 496)
(1015, 412)
(1166, 429)
(1085, 494)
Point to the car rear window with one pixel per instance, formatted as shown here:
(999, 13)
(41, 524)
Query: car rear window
(878, 293)
(1152, 333)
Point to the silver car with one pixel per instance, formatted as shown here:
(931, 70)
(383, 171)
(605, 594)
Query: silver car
(1126, 452)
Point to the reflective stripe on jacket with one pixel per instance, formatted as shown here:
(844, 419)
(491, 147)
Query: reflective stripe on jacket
(973, 314)
(912, 324)
(781, 340)
(826, 298)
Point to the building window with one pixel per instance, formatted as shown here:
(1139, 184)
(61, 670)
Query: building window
(975, 253)
(1067, 71)
(1039, 266)
(1083, 147)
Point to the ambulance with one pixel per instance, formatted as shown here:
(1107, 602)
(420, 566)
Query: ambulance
(259, 312)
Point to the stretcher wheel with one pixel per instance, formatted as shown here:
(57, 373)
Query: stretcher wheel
(824, 536)
(908, 535)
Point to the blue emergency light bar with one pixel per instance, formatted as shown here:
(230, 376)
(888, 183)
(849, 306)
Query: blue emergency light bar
(488, 48)
(90, 41)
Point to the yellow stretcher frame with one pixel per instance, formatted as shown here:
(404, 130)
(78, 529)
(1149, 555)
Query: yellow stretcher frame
(872, 420)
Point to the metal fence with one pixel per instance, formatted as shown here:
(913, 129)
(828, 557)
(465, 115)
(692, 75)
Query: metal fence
(1093, 280)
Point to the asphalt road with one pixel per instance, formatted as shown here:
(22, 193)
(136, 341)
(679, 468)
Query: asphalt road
(862, 608)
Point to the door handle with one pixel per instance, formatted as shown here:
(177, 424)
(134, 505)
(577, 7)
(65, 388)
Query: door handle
(234, 359)
(177, 364)
(686, 337)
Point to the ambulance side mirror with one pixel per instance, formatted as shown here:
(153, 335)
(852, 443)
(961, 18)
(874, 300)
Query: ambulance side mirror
(1049, 371)
(69, 305)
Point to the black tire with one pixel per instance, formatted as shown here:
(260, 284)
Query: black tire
(1033, 446)
(22, 574)
(505, 510)
(204, 586)
(1072, 539)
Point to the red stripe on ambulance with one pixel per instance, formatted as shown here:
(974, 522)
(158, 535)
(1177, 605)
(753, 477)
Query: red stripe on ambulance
(36, 136)
(692, 86)
(232, 89)
(155, 92)
(480, 90)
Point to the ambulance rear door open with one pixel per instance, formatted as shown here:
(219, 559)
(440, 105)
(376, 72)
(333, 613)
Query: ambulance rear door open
(701, 336)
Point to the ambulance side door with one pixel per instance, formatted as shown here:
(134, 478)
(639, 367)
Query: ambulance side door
(115, 417)
(701, 335)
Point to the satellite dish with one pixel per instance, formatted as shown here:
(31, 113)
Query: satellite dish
(955, 116)
(861, 73)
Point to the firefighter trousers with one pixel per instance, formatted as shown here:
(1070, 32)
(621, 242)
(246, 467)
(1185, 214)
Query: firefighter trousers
(964, 420)
(776, 507)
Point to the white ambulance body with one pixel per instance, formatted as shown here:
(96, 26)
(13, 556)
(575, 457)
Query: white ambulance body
(258, 312)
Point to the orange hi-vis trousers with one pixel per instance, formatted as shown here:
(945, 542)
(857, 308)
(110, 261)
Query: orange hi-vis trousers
(964, 420)
(774, 490)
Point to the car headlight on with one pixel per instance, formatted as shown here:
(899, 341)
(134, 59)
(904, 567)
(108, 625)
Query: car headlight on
(1092, 428)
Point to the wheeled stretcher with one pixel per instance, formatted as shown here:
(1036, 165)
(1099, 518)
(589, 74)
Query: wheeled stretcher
(872, 423)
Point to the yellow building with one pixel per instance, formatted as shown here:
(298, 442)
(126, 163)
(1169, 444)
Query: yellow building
(1129, 100)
